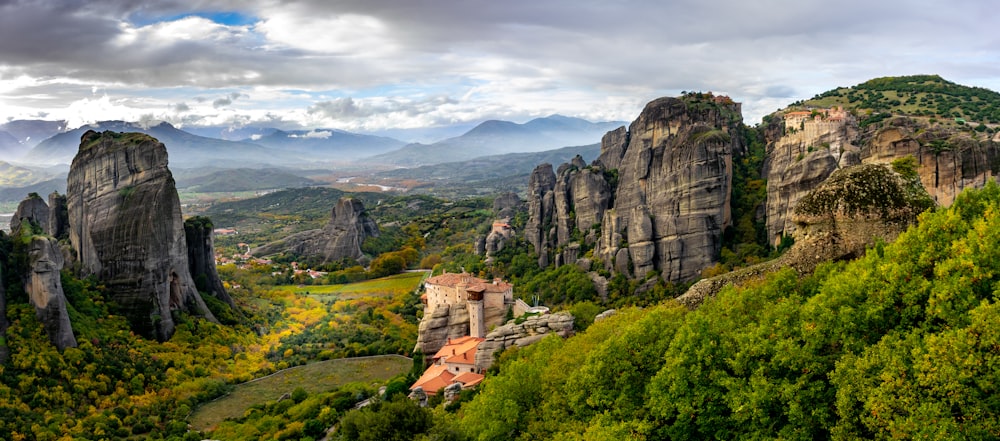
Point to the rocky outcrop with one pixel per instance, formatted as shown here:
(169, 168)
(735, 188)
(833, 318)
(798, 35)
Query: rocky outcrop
(507, 205)
(522, 334)
(444, 323)
(541, 204)
(802, 151)
(656, 199)
(201, 259)
(853, 209)
(32, 209)
(948, 160)
(126, 228)
(341, 238)
(58, 216)
(44, 288)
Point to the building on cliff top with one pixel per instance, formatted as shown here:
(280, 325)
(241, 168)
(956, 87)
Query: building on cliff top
(487, 302)
(454, 363)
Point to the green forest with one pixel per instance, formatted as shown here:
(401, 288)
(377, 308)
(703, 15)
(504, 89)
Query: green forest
(903, 343)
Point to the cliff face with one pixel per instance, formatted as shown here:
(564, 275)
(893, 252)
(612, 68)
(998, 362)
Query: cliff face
(341, 238)
(446, 322)
(44, 288)
(853, 209)
(949, 160)
(126, 228)
(803, 150)
(522, 334)
(657, 198)
(58, 216)
(201, 259)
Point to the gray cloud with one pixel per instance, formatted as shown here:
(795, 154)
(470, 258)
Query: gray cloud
(513, 59)
(181, 107)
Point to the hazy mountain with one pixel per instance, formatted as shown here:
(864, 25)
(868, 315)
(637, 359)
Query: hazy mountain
(10, 148)
(43, 188)
(499, 137)
(30, 132)
(185, 149)
(328, 144)
(239, 179)
(488, 174)
(231, 133)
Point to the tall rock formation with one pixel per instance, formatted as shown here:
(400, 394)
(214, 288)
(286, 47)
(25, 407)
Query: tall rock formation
(201, 258)
(44, 287)
(341, 238)
(32, 209)
(58, 216)
(804, 148)
(657, 198)
(126, 228)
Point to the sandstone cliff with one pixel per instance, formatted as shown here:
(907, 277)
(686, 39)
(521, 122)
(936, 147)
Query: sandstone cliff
(852, 210)
(341, 238)
(802, 151)
(446, 322)
(44, 288)
(657, 198)
(58, 216)
(201, 259)
(126, 228)
(522, 334)
(32, 209)
(949, 160)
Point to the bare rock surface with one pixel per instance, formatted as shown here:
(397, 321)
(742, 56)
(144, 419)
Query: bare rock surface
(45, 292)
(341, 238)
(126, 228)
(446, 322)
(201, 259)
(522, 334)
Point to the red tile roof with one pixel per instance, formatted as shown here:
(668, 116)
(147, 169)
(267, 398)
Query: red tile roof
(471, 282)
(468, 379)
(459, 351)
(434, 379)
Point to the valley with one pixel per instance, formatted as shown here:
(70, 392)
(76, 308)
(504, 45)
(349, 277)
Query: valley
(684, 275)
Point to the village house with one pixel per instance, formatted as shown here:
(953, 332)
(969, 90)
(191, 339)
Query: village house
(454, 363)
(487, 302)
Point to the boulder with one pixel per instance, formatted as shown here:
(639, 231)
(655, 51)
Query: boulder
(126, 228)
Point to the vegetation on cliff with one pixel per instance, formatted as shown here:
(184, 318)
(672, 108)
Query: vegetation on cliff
(916, 95)
(898, 344)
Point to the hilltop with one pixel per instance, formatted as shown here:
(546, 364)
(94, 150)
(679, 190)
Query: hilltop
(916, 95)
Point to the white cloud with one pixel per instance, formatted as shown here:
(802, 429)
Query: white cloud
(315, 134)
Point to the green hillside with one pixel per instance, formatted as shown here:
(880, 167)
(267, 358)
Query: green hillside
(917, 95)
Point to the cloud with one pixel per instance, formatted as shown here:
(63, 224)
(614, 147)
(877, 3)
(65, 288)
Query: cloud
(385, 63)
(315, 134)
(181, 107)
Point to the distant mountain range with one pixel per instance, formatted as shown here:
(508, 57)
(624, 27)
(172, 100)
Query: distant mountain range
(185, 149)
(19, 136)
(327, 144)
(499, 137)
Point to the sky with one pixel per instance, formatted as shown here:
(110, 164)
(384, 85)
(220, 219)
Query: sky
(371, 65)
